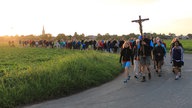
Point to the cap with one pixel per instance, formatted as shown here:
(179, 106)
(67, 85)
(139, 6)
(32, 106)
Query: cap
(140, 37)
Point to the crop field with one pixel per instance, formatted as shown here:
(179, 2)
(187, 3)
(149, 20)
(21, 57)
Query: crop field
(29, 75)
(187, 45)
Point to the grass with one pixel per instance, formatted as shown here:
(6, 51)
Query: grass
(187, 45)
(29, 75)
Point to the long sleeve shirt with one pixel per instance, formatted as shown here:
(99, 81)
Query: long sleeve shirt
(125, 54)
(177, 53)
(159, 52)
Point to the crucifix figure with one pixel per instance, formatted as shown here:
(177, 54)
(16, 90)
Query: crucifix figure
(140, 23)
(141, 31)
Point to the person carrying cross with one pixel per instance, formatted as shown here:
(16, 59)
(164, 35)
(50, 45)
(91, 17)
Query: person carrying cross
(145, 57)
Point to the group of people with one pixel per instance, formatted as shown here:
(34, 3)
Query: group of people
(11, 44)
(111, 45)
(143, 50)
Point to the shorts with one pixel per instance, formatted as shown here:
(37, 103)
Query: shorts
(126, 64)
(145, 60)
(177, 64)
(159, 63)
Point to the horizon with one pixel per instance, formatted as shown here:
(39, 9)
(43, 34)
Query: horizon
(94, 35)
(94, 17)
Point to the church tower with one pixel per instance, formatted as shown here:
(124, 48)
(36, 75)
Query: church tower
(43, 31)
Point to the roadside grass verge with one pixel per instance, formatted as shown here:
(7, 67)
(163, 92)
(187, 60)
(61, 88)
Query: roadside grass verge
(30, 75)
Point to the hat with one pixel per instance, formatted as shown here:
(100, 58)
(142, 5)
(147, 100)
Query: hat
(140, 37)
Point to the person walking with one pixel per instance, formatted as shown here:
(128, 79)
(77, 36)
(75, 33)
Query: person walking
(136, 48)
(172, 46)
(145, 56)
(125, 58)
(159, 53)
(153, 58)
(132, 44)
(177, 59)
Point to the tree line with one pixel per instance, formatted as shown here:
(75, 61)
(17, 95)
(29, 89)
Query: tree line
(82, 36)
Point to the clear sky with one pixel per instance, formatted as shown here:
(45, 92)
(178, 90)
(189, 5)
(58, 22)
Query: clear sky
(24, 17)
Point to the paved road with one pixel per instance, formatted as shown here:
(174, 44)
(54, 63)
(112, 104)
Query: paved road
(164, 92)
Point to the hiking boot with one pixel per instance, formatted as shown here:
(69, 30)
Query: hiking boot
(136, 76)
(128, 78)
(143, 80)
(179, 74)
(125, 81)
(149, 76)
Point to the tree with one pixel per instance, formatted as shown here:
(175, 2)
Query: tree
(114, 36)
(61, 36)
(190, 36)
(107, 36)
(154, 34)
(75, 34)
(81, 37)
(99, 35)
(132, 35)
(47, 36)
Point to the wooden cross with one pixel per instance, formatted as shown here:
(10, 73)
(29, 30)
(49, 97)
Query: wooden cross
(140, 24)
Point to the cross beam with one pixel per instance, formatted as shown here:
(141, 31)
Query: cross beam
(140, 23)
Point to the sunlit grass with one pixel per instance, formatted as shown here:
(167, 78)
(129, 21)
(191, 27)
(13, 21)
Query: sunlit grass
(30, 75)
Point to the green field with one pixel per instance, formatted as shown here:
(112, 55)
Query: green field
(29, 75)
(187, 45)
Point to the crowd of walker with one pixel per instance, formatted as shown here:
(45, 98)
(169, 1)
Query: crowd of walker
(111, 45)
(136, 52)
(143, 50)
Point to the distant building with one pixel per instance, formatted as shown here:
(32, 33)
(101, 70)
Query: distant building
(183, 37)
(167, 37)
(43, 31)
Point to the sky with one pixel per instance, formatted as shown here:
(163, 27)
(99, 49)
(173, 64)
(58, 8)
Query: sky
(24, 17)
